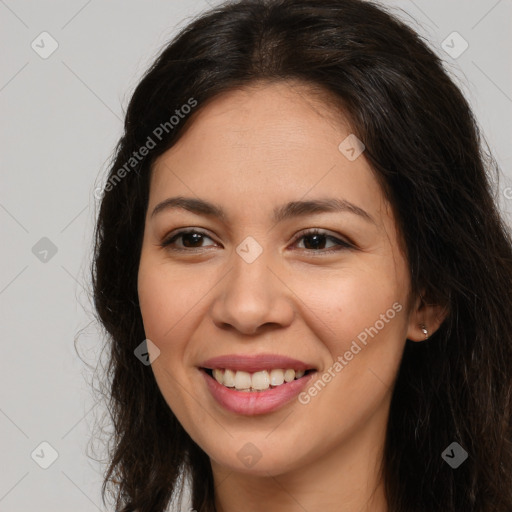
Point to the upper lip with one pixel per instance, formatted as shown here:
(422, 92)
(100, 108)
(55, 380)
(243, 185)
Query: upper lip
(255, 363)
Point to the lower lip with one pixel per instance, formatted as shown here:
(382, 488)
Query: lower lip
(256, 402)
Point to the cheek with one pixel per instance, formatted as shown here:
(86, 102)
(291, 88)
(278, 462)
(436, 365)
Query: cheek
(154, 297)
(362, 321)
(345, 304)
(167, 299)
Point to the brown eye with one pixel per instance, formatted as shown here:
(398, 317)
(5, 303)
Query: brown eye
(190, 239)
(315, 240)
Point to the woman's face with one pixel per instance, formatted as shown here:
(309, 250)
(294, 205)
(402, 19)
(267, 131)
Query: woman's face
(254, 286)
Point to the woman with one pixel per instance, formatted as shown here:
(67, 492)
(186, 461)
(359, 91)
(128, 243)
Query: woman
(304, 277)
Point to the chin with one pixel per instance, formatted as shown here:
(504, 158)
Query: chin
(257, 458)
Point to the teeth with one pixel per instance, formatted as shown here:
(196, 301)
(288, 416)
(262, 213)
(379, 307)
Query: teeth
(258, 381)
(289, 375)
(229, 378)
(217, 375)
(242, 380)
(276, 377)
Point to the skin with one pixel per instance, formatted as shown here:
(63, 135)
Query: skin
(249, 151)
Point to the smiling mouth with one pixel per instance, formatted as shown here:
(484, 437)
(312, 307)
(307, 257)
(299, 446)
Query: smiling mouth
(256, 381)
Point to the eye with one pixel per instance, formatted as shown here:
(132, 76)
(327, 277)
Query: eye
(316, 240)
(191, 239)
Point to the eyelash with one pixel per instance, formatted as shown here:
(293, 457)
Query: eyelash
(167, 244)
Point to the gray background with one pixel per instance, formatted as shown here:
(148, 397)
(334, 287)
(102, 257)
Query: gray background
(61, 117)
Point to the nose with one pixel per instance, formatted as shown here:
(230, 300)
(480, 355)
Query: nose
(253, 297)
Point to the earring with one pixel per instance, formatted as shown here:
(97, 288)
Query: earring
(424, 330)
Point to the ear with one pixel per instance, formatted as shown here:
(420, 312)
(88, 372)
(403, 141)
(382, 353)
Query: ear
(425, 316)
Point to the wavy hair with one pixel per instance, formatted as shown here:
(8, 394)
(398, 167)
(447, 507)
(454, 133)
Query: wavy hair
(425, 147)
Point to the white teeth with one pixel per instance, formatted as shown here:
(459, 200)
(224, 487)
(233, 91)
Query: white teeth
(260, 380)
(242, 380)
(289, 375)
(276, 377)
(257, 381)
(217, 375)
(229, 378)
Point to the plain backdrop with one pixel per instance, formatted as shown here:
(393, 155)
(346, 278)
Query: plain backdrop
(61, 115)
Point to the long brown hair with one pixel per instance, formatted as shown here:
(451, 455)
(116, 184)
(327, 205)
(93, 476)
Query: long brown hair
(426, 149)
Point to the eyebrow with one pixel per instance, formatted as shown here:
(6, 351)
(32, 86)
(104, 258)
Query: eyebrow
(280, 214)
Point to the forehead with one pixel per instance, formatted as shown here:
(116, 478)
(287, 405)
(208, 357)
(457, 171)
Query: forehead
(270, 116)
(260, 145)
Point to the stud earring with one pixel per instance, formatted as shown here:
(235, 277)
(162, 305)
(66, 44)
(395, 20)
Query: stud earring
(424, 330)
